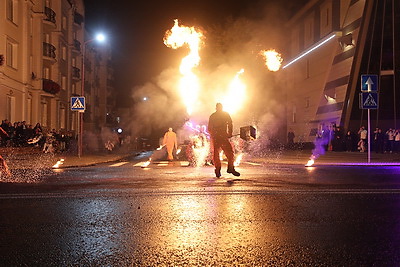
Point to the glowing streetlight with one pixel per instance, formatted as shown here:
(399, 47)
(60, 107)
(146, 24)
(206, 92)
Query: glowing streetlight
(99, 38)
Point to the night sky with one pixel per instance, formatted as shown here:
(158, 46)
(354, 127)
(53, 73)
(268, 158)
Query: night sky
(135, 29)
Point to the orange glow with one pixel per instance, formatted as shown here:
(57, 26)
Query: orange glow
(146, 164)
(189, 85)
(273, 59)
(236, 95)
(238, 160)
(310, 163)
(58, 164)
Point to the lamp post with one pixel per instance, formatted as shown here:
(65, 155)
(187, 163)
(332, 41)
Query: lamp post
(99, 38)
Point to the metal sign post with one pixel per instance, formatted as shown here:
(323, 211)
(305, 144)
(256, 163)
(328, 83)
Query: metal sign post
(79, 104)
(369, 100)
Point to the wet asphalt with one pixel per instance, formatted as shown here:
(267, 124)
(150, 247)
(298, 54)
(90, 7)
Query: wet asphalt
(169, 215)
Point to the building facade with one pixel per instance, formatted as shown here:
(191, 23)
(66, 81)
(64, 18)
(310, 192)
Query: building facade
(331, 44)
(41, 47)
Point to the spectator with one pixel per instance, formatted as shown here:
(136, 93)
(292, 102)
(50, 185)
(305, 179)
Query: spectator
(397, 141)
(362, 139)
(390, 140)
(349, 141)
(379, 140)
(290, 137)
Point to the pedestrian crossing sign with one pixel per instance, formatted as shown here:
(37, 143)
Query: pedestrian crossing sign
(369, 100)
(78, 103)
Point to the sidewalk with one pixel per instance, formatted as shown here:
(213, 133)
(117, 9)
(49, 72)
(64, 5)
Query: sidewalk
(31, 157)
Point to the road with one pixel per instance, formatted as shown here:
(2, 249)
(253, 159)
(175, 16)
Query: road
(120, 214)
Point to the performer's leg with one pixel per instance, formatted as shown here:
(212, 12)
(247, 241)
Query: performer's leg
(217, 161)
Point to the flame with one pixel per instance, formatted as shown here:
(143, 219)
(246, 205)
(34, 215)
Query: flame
(58, 164)
(221, 155)
(175, 38)
(236, 94)
(178, 150)
(311, 161)
(273, 59)
(146, 164)
(238, 160)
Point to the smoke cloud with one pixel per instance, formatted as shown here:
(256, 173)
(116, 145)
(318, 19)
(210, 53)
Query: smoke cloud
(228, 48)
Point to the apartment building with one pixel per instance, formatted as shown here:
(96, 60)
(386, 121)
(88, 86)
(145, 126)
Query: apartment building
(331, 44)
(41, 47)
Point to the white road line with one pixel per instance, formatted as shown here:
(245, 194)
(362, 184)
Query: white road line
(119, 164)
(252, 163)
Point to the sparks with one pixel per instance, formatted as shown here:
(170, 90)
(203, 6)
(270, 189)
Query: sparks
(189, 85)
(238, 160)
(273, 59)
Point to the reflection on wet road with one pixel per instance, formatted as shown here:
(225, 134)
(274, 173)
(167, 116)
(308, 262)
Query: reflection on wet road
(123, 215)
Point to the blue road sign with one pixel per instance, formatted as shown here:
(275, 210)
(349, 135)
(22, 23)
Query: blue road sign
(78, 103)
(369, 83)
(369, 100)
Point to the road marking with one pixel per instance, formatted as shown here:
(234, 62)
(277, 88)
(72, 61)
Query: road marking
(252, 163)
(162, 164)
(119, 164)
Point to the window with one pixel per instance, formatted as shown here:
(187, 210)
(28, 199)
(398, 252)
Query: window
(10, 108)
(326, 18)
(309, 31)
(294, 114)
(62, 116)
(44, 112)
(11, 54)
(46, 73)
(64, 82)
(12, 10)
(64, 52)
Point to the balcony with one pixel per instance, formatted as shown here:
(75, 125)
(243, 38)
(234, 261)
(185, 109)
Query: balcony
(76, 73)
(49, 52)
(77, 46)
(50, 86)
(49, 18)
(78, 19)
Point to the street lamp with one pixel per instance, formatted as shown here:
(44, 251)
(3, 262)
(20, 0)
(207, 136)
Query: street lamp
(99, 38)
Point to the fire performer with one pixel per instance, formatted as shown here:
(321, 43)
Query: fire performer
(220, 127)
(170, 142)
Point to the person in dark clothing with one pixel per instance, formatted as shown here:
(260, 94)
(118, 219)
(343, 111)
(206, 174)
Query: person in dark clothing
(290, 137)
(220, 127)
(349, 139)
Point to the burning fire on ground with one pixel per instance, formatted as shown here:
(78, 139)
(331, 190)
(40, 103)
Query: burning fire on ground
(311, 161)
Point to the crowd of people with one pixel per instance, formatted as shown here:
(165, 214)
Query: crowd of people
(21, 134)
(381, 141)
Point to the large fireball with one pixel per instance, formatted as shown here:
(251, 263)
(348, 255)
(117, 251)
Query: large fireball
(189, 86)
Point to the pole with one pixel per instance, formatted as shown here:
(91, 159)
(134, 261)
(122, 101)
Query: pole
(80, 136)
(369, 137)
